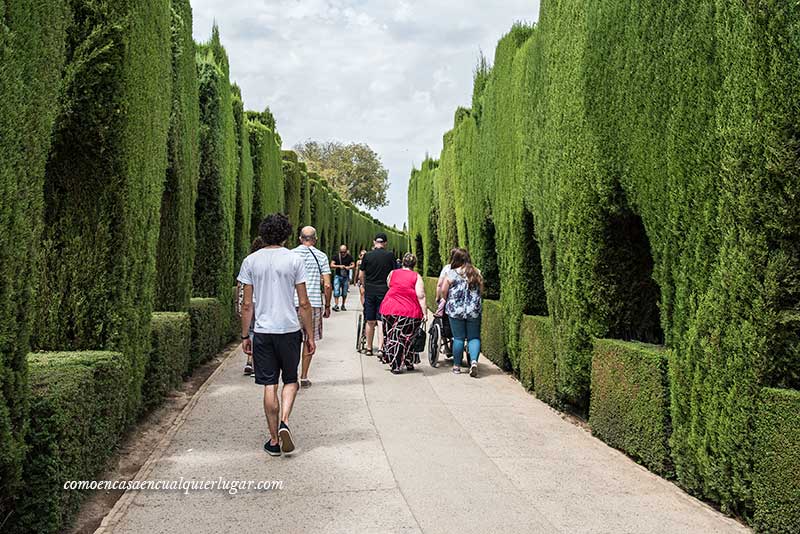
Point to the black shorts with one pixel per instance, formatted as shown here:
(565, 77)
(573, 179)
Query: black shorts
(372, 307)
(276, 355)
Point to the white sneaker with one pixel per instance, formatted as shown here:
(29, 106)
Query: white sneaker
(473, 370)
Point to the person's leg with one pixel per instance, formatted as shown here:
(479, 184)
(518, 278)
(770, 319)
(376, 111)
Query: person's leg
(267, 370)
(316, 318)
(370, 315)
(290, 351)
(459, 329)
(344, 288)
(474, 337)
(337, 291)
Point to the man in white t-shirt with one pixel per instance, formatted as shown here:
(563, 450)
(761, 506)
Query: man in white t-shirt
(273, 275)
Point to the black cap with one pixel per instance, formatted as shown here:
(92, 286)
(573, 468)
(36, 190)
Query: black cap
(380, 237)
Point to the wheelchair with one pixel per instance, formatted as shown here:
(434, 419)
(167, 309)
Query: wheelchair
(440, 340)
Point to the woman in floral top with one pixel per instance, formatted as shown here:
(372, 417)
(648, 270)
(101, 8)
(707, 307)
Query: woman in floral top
(463, 289)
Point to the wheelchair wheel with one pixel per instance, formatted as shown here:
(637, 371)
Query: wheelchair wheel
(435, 337)
(360, 333)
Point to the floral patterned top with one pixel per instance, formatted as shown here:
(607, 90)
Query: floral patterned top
(462, 302)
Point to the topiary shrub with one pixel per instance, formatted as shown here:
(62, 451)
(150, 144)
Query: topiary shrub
(629, 406)
(169, 356)
(537, 366)
(103, 185)
(430, 291)
(32, 45)
(776, 487)
(76, 422)
(244, 182)
(493, 343)
(176, 240)
(209, 320)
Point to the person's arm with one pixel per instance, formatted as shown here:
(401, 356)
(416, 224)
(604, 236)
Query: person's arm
(420, 287)
(306, 315)
(247, 318)
(351, 266)
(326, 281)
(445, 288)
(333, 265)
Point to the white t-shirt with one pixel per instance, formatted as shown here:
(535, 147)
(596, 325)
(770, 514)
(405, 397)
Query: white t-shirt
(274, 273)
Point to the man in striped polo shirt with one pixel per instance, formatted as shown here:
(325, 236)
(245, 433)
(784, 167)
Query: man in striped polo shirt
(318, 276)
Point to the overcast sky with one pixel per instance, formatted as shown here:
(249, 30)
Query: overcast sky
(388, 73)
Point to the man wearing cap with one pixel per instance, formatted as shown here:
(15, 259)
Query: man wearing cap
(374, 270)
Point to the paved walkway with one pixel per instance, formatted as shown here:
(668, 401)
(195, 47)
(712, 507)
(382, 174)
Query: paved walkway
(421, 452)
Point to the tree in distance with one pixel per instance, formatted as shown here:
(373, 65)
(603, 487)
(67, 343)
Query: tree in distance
(354, 170)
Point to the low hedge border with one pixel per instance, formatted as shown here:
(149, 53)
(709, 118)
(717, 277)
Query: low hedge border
(430, 291)
(171, 335)
(629, 406)
(493, 343)
(776, 487)
(76, 420)
(537, 366)
(209, 320)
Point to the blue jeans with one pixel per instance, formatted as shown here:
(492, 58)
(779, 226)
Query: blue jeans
(466, 332)
(340, 286)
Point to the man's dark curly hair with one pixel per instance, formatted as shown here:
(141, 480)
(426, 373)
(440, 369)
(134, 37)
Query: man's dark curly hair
(275, 229)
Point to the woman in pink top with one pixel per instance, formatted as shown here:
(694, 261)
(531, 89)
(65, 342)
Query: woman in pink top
(402, 312)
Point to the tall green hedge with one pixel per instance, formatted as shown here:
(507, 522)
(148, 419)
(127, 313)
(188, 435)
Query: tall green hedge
(244, 181)
(268, 177)
(32, 45)
(632, 165)
(537, 364)
(215, 209)
(176, 246)
(103, 184)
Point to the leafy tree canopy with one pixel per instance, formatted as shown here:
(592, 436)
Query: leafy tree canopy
(354, 170)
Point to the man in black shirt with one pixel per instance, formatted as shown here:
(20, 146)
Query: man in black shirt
(375, 269)
(341, 263)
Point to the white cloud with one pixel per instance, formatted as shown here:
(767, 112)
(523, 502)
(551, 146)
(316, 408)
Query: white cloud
(390, 74)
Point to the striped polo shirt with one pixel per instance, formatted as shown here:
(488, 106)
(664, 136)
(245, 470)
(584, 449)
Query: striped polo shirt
(317, 264)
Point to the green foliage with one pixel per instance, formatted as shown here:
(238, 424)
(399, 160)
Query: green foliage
(630, 401)
(103, 185)
(76, 421)
(493, 344)
(244, 182)
(176, 240)
(32, 42)
(649, 151)
(430, 291)
(537, 365)
(215, 209)
(169, 356)
(776, 488)
(268, 179)
(353, 170)
(209, 320)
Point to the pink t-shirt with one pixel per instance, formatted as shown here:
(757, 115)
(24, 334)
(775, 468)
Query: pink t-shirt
(401, 300)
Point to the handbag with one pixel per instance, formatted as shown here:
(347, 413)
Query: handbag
(418, 344)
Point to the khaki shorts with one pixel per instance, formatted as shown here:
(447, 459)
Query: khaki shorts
(316, 319)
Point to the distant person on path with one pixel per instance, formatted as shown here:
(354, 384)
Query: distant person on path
(318, 273)
(342, 265)
(257, 244)
(402, 311)
(463, 289)
(374, 270)
(273, 277)
(357, 274)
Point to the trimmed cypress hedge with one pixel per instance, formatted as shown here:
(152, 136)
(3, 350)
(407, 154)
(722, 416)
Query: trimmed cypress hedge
(268, 178)
(776, 488)
(537, 365)
(32, 44)
(169, 356)
(215, 209)
(647, 152)
(76, 421)
(176, 246)
(244, 182)
(630, 401)
(430, 291)
(209, 320)
(493, 343)
(103, 185)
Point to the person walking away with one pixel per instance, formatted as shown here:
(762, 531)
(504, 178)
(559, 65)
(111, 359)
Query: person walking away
(342, 265)
(357, 273)
(463, 290)
(374, 271)
(257, 244)
(318, 273)
(271, 277)
(403, 312)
